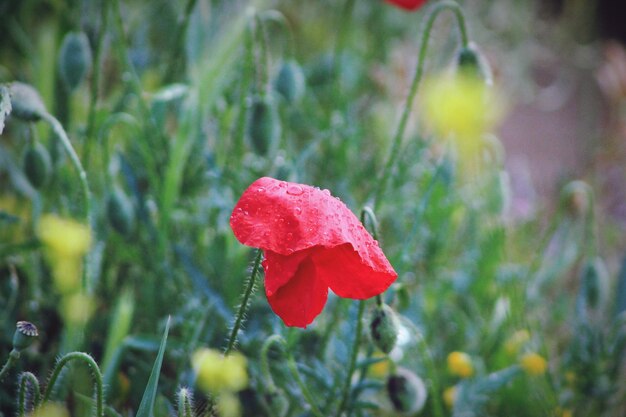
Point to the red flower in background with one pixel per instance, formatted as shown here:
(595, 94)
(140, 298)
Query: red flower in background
(407, 4)
(311, 242)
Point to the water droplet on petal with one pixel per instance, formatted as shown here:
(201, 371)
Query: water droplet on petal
(260, 190)
(289, 251)
(326, 191)
(289, 236)
(298, 210)
(294, 190)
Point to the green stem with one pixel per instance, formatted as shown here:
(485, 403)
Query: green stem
(344, 26)
(245, 302)
(26, 378)
(293, 367)
(184, 403)
(355, 351)
(82, 176)
(87, 359)
(95, 81)
(265, 365)
(263, 67)
(13, 357)
(434, 380)
(434, 11)
(175, 60)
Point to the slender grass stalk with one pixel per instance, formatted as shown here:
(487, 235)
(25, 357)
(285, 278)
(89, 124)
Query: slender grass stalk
(95, 80)
(293, 367)
(344, 26)
(245, 303)
(97, 376)
(11, 360)
(263, 67)
(431, 16)
(345, 393)
(270, 386)
(24, 379)
(176, 52)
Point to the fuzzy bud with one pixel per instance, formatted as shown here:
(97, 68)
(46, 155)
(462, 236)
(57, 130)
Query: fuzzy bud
(406, 391)
(120, 212)
(26, 103)
(290, 81)
(74, 59)
(264, 127)
(384, 328)
(472, 62)
(37, 165)
(576, 198)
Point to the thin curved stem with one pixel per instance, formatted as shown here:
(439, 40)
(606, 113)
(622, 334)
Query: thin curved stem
(265, 366)
(432, 15)
(13, 357)
(58, 130)
(87, 359)
(293, 367)
(245, 302)
(27, 378)
(345, 394)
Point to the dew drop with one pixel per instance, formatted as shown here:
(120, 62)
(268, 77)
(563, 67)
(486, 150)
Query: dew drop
(289, 236)
(294, 190)
(326, 191)
(260, 190)
(298, 210)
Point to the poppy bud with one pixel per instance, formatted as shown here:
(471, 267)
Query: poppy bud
(74, 59)
(37, 165)
(24, 335)
(264, 127)
(473, 63)
(26, 103)
(384, 328)
(120, 212)
(290, 81)
(406, 391)
(593, 279)
(576, 198)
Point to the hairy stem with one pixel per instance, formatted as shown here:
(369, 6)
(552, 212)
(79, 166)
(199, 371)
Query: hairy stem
(24, 379)
(13, 357)
(245, 302)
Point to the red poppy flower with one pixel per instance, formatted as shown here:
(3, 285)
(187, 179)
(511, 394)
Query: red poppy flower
(407, 4)
(312, 242)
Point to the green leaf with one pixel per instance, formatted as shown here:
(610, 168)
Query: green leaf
(5, 105)
(147, 402)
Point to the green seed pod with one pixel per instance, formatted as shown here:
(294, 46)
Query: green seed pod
(120, 212)
(37, 165)
(25, 334)
(290, 81)
(74, 59)
(26, 103)
(264, 127)
(406, 391)
(471, 61)
(384, 328)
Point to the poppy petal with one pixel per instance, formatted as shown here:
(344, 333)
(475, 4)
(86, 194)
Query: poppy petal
(302, 298)
(279, 269)
(407, 4)
(340, 266)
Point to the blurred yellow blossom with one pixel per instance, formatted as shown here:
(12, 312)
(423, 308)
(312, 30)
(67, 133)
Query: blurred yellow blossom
(533, 364)
(460, 364)
(449, 396)
(228, 405)
(380, 369)
(50, 409)
(216, 372)
(63, 237)
(516, 341)
(77, 308)
(461, 106)
(65, 242)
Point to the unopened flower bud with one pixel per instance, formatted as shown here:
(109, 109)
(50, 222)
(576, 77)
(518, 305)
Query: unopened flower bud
(472, 62)
(26, 103)
(576, 198)
(290, 81)
(74, 59)
(406, 391)
(384, 328)
(120, 212)
(277, 402)
(37, 165)
(264, 127)
(25, 334)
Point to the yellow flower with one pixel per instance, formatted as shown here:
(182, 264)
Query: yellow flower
(50, 409)
(228, 405)
(460, 106)
(216, 373)
(77, 308)
(533, 364)
(563, 412)
(380, 369)
(63, 237)
(66, 273)
(516, 341)
(460, 364)
(449, 396)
